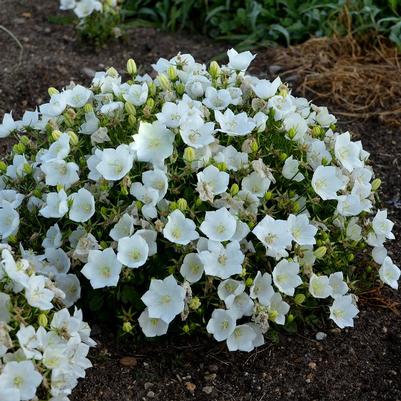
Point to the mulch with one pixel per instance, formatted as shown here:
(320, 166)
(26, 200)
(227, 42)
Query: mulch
(355, 364)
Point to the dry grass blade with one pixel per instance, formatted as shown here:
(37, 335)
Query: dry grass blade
(16, 40)
(361, 79)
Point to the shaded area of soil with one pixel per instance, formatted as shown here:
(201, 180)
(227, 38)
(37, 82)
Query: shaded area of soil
(353, 365)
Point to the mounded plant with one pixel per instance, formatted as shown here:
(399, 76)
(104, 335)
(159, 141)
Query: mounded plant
(204, 199)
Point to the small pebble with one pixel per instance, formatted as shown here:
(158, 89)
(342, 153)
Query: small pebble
(150, 394)
(148, 385)
(320, 336)
(207, 389)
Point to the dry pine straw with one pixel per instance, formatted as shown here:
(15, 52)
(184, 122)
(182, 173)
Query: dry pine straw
(360, 79)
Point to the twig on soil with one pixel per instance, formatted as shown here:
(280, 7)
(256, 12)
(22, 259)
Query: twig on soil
(3, 28)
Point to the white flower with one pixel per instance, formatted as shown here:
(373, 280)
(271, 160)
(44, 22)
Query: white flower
(217, 99)
(285, 276)
(343, 311)
(256, 184)
(91, 124)
(83, 206)
(229, 289)
(266, 89)
(164, 299)
(123, 228)
(156, 179)
(338, 286)
(261, 288)
(153, 143)
(233, 159)
(297, 125)
(37, 295)
(150, 237)
(170, 115)
(180, 229)
(9, 220)
(221, 324)
(349, 205)
(327, 181)
(16, 170)
(319, 286)
(5, 307)
(56, 205)
(16, 271)
(219, 225)
(239, 61)
(291, 170)
(70, 285)
(241, 305)
(379, 253)
(389, 273)
(137, 94)
(382, 226)
(242, 338)
(85, 8)
(133, 251)
(278, 309)
(347, 152)
(316, 153)
(53, 238)
(274, 234)
(78, 96)
(192, 268)
(103, 269)
(28, 341)
(55, 107)
(59, 149)
(12, 197)
(21, 377)
(198, 134)
(7, 126)
(220, 261)
(59, 172)
(67, 4)
(115, 163)
(234, 124)
(302, 232)
(152, 327)
(213, 179)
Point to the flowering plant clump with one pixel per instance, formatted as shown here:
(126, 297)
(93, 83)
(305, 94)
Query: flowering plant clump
(204, 196)
(98, 19)
(43, 347)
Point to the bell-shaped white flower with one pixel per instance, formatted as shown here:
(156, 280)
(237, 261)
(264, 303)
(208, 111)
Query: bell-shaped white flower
(180, 229)
(28, 342)
(71, 286)
(55, 107)
(382, 226)
(219, 225)
(234, 124)
(123, 228)
(59, 172)
(221, 324)
(103, 269)
(222, 261)
(212, 180)
(9, 220)
(115, 163)
(302, 231)
(78, 96)
(343, 311)
(349, 205)
(285, 276)
(262, 288)
(152, 327)
(379, 253)
(90, 125)
(389, 273)
(278, 309)
(22, 378)
(156, 179)
(12, 197)
(316, 152)
(86, 7)
(192, 268)
(319, 286)
(256, 184)
(327, 181)
(217, 99)
(59, 149)
(233, 159)
(133, 251)
(137, 94)
(153, 143)
(347, 152)
(56, 205)
(239, 61)
(240, 305)
(266, 89)
(53, 237)
(164, 299)
(198, 134)
(8, 125)
(148, 196)
(37, 294)
(83, 206)
(242, 338)
(338, 286)
(150, 237)
(229, 289)
(170, 115)
(291, 170)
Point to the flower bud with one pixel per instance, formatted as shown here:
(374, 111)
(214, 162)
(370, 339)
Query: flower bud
(283, 156)
(164, 82)
(127, 327)
(12, 239)
(112, 72)
(59, 187)
(316, 131)
(189, 154)
(150, 103)
(152, 88)
(180, 88)
(3, 166)
(52, 91)
(234, 189)
(186, 329)
(19, 148)
(254, 146)
(376, 184)
(37, 192)
(138, 204)
(172, 206)
(42, 320)
(172, 73)
(350, 257)
(214, 69)
(222, 166)
(290, 318)
(25, 140)
(195, 303)
(268, 195)
(299, 299)
(320, 252)
(103, 245)
(249, 282)
(56, 134)
(291, 133)
(74, 140)
(27, 168)
(131, 120)
(130, 108)
(182, 204)
(131, 67)
(88, 108)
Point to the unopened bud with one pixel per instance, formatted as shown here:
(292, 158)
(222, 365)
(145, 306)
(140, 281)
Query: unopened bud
(127, 327)
(290, 318)
(27, 168)
(52, 91)
(172, 73)
(164, 82)
(299, 299)
(42, 320)
(268, 195)
(320, 252)
(130, 108)
(150, 103)
(131, 120)
(180, 88)
(291, 133)
(25, 140)
(173, 206)
(195, 303)
(182, 204)
(19, 148)
(254, 146)
(88, 108)
(189, 154)
(59, 187)
(152, 88)
(283, 156)
(56, 134)
(112, 72)
(74, 140)
(249, 282)
(3, 166)
(214, 69)
(131, 67)
(234, 189)
(376, 184)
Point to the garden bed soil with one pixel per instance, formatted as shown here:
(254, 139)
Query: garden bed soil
(354, 364)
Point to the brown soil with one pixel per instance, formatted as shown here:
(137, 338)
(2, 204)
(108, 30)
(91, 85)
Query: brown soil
(353, 365)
